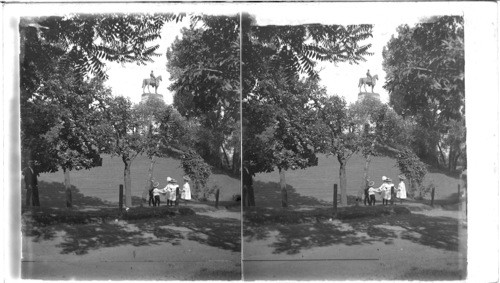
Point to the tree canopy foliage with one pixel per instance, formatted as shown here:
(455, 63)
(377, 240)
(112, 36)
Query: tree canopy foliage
(88, 41)
(205, 74)
(60, 123)
(425, 80)
(275, 100)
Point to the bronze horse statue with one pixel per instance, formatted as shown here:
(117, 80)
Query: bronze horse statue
(367, 81)
(150, 82)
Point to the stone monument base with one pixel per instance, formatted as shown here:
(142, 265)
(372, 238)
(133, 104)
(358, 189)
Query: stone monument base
(363, 95)
(145, 96)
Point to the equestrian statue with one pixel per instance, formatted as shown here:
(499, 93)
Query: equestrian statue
(369, 80)
(152, 81)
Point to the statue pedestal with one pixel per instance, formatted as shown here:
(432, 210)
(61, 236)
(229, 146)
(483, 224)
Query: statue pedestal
(145, 96)
(363, 95)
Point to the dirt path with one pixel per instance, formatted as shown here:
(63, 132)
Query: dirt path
(187, 249)
(427, 245)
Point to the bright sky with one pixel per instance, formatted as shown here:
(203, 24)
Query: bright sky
(340, 80)
(126, 80)
(343, 79)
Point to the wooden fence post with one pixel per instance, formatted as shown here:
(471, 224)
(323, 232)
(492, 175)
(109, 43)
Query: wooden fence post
(120, 200)
(432, 196)
(334, 199)
(393, 196)
(217, 198)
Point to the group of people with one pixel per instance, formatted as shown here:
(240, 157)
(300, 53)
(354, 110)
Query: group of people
(172, 192)
(387, 190)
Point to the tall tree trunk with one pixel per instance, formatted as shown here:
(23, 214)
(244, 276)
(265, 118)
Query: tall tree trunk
(225, 156)
(67, 186)
(251, 196)
(234, 165)
(35, 197)
(411, 190)
(151, 168)
(451, 157)
(343, 181)
(442, 155)
(364, 182)
(128, 182)
(248, 193)
(284, 196)
(244, 195)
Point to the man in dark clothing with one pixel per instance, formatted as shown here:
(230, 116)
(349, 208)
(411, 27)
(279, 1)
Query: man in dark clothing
(366, 199)
(31, 182)
(369, 76)
(152, 76)
(151, 187)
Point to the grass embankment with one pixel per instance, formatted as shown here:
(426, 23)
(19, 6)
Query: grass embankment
(314, 185)
(103, 182)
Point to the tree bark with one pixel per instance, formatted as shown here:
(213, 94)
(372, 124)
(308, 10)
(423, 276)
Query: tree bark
(284, 196)
(226, 157)
(411, 190)
(442, 155)
(248, 193)
(67, 186)
(365, 175)
(236, 163)
(244, 195)
(343, 181)
(150, 176)
(128, 182)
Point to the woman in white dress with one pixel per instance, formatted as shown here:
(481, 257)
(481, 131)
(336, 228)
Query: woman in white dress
(186, 189)
(401, 193)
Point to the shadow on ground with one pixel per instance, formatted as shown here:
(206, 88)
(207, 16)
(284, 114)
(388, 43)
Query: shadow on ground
(222, 233)
(54, 195)
(269, 195)
(436, 232)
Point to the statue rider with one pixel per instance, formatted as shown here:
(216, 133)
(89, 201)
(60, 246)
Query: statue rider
(152, 75)
(369, 76)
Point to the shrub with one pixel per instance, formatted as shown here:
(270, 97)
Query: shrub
(259, 216)
(186, 211)
(50, 216)
(198, 170)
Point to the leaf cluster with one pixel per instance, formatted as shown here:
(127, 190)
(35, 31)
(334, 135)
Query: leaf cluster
(91, 40)
(298, 48)
(425, 68)
(195, 167)
(60, 119)
(411, 166)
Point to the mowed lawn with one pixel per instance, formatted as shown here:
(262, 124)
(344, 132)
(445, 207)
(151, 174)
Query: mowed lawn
(103, 182)
(314, 185)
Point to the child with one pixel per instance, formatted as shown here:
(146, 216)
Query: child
(371, 193)
(156, 194)
(150, 192)
(173, 189)
(385, 190)
(170, 191)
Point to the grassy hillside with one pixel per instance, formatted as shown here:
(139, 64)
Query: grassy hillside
(103, 182)
(314, 185)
